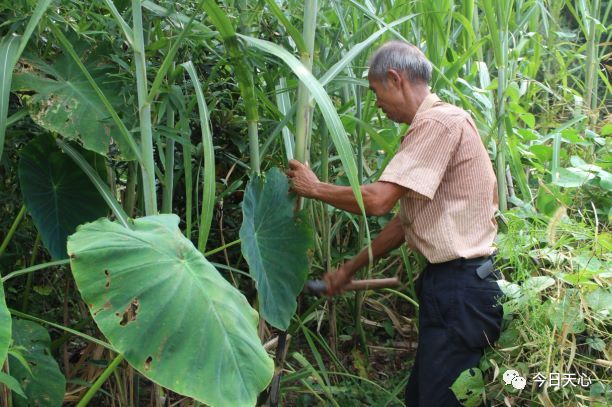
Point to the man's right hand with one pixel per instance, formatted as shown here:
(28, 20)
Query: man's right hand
(337, 280)
(303, 180)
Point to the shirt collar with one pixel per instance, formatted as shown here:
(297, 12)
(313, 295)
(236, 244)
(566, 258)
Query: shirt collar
(427, 103)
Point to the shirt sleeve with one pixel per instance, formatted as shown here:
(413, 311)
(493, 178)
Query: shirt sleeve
(424, 154)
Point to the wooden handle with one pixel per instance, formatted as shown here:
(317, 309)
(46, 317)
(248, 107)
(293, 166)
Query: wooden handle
(319, 287)
(358, 285)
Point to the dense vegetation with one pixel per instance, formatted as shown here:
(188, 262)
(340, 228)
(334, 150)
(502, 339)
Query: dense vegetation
(158, 127)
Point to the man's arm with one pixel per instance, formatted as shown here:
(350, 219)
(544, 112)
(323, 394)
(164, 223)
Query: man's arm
(389, 238)
(378, 198)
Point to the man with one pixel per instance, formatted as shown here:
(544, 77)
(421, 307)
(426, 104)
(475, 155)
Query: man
(447, 191)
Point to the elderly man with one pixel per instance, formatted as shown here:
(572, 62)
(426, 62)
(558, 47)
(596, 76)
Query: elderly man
(447, 191)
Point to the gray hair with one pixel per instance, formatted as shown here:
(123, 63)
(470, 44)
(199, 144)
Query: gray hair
(402, 57)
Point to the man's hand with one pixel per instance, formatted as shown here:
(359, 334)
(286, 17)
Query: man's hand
(337, 281)
(304, 181)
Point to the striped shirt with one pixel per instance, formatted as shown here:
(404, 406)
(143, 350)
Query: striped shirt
(449, 210)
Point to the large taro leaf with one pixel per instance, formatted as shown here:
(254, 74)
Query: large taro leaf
(168, 311)
(469, 387)
(58, 195)
(5, 326)
(275, 245)
(64, 102)
(44, 384)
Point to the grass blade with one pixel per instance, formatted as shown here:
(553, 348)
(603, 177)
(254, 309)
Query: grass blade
(37, 267)
(293, 32)
(100, 185)
(127, 31)
(208, 183)
(8, 58)
(358, 49)
(330, 115)
(168, 61)
(284, 105)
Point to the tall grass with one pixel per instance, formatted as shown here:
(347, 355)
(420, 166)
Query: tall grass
(526, 70)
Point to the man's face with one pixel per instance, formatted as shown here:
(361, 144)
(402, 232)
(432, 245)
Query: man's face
(387, 98)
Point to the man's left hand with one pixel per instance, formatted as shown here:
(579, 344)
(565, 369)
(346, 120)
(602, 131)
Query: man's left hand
(304, 181)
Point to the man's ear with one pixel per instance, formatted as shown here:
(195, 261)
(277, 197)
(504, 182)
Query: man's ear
(394, 78)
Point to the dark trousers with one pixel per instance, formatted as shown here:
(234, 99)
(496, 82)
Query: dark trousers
(459, 316)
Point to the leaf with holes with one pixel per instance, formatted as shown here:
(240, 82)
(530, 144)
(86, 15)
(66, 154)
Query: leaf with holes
(64, 102)
(275, 244)
(168, 311)
(44, 385)
(469, 387)
(58, 195)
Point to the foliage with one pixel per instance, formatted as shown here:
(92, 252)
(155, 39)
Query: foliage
(157, 285)
(112, 77)
(56, 193)
(38, 373)
(275, 245)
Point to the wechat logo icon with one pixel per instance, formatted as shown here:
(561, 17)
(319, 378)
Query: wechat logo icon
(515, 379)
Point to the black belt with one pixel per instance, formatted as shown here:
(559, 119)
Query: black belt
(484, 269)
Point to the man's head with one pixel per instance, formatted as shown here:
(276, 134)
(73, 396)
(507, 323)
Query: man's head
(399, 75)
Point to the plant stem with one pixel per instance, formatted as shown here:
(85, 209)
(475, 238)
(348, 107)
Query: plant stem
(303, 127)
(592, 60)
(34, 268)
(129, 201)
(12, 230)
(303, 117)
(169, 174)
(144, 110)
(28, 288)
(100, 381)
(244, 76)
(218, 249)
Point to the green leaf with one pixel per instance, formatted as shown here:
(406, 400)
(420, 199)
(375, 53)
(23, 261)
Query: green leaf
(572, 177)
(469, 387)
(543, 153)
(605, 180)
(208, 179)
(529, 119)
(65, 102)
(8, 58)
(96, 179)
(5, 326)
(549, 198)
(567, 314)
(509, 337)
(45, 384)
(600, 301)
(538, 283)
(57, 193)
(596, 343)
(164, 307)
(334, 124)
(10, 51)
(275, 246)
(12, 384)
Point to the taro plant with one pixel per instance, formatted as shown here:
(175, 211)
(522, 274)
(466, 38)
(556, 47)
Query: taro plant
(112, 112)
